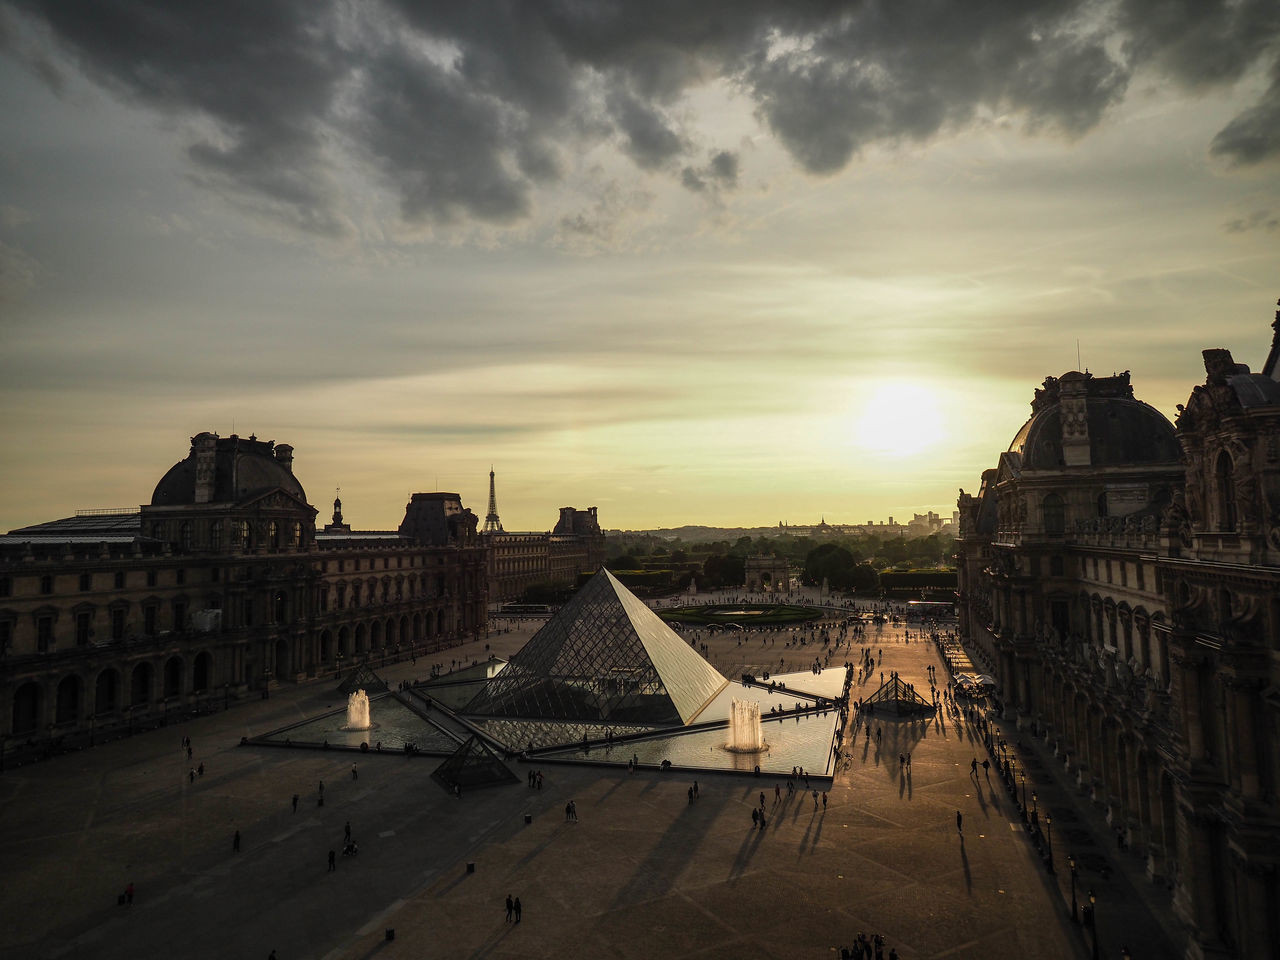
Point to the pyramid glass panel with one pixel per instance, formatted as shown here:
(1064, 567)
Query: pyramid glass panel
(604, 657)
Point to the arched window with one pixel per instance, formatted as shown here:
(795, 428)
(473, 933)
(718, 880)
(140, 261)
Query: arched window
(215, 535)
(1054, 515)
(1226, 492)
(273, 535)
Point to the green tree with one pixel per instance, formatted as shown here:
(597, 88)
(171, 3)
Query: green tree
(830, 562)
(723, 571)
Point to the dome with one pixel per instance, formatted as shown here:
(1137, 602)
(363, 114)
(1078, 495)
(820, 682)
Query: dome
(242, 469)
(1121, 431)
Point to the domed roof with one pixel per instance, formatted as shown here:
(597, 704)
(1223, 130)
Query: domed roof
(1121, 431)
(242, 470)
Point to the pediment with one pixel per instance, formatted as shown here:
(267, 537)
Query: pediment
(277, 499)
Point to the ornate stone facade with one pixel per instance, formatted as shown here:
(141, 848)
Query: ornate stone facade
(219, 587)
(1123, 578)
(518, 561)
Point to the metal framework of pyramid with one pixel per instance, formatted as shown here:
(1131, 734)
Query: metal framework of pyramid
(900, 697)
(473, 765)
(362, 678)
(604, 656)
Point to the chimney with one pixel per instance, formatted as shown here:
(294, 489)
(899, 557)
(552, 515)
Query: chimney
(284, 456)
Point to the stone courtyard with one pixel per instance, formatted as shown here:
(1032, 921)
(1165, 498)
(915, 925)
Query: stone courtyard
(643, 873)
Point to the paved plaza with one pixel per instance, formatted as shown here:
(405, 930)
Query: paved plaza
(644, 872)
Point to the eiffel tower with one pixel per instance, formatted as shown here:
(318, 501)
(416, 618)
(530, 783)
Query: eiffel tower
(491, 522)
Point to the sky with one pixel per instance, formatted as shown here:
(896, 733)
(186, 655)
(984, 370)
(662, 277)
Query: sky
(725, 262)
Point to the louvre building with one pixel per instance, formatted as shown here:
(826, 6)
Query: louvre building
(1121, 574)
(218, 588)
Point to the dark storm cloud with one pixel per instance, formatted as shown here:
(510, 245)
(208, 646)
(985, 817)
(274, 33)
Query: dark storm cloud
(463, 109)
(264, 73)
(720, 173)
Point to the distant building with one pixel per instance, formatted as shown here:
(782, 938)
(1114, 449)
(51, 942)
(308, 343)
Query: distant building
(219, 586)
(518, 561)
(1123, 576)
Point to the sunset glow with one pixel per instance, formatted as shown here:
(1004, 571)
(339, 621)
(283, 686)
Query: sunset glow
(728, 282)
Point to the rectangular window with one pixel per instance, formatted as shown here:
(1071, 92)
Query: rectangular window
(248, 612)
(6, 587)
(324, 599)
(149, 621)
(46, 584)
(1124, 574)
(1108, 571)
(117, 623)
(180, 576)
(6, 635)
(342, 566)
(86, 582)
(44, 634)
(179, 616)
(151, 578)
(119, 580)
(215, 574)
(1055, 566)
(84, 623)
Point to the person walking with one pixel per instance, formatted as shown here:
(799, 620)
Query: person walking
(333, 860)
(128, 894)
(355, 775)
(295, 803)
(511, 907)
(346, 832)
(959, 822)
(516, 907)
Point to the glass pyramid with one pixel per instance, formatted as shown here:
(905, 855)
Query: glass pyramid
(473, 764)
(900, 697)
(362, 678)
(604, 657)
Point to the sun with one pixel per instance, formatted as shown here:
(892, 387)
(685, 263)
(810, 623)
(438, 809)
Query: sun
(897, 418)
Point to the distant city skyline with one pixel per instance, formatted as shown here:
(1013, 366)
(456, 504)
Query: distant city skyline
(769, 263)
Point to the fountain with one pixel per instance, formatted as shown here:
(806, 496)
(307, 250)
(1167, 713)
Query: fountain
(745, 735)
(358, 712)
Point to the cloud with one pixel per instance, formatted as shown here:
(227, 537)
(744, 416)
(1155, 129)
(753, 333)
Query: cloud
(19, 272)
(720, 173)
(467, 111)
(1257, 220)
(1253, 136)
(11, 216)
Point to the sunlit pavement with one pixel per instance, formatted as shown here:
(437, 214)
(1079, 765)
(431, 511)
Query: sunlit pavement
(644, 873)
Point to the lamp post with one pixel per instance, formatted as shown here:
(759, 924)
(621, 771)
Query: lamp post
(1023, 778)
(1071, 862)
(1093, 922)
(1048, 822)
